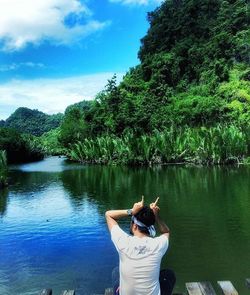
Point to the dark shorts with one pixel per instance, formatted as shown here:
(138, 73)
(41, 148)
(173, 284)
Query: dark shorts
(167, 281)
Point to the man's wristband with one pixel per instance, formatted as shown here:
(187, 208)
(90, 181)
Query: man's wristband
(129, 211)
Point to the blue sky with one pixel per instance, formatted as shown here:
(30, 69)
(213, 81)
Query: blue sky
(56, 52)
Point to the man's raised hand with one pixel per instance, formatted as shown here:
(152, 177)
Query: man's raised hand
(154, 207)
(138, 206)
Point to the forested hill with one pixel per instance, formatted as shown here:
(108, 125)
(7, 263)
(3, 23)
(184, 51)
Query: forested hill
(194, 71)
(32, 122)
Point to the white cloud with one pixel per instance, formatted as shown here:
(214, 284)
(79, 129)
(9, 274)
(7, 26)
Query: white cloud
(16, 66)
(50, 95)
(136, 2)
(25, 22)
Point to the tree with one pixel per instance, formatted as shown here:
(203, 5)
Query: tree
(73, 127)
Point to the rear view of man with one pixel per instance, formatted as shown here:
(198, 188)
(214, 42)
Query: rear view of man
(141, 252)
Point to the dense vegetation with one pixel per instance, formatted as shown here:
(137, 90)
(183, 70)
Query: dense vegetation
(19, 148)
(214, 145)
(191, 89)
(73, 127)
(32, 121)
(49, 143)
(187, 101)
(3, 169)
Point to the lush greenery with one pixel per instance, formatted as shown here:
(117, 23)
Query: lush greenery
(194, 70)
(83, 106)
(19, 148)
(49, 143)
(3, 169)
(73, 127)
(32, 121)
(214, 145)
(188, 99)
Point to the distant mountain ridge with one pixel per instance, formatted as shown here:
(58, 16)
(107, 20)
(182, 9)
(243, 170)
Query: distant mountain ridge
(83, 106)
(33, 122)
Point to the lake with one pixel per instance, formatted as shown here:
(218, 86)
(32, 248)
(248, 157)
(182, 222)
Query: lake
(53, 232)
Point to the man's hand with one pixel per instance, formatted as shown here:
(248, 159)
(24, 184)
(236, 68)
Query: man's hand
(113, 215)
(138, 206)
(163, 228)
(155, 208)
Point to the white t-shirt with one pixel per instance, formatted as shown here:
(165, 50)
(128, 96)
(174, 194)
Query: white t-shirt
(140, 260)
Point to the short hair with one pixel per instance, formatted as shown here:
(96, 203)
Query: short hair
(147, 217)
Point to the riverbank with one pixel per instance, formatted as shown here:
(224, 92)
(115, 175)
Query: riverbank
(3, 169)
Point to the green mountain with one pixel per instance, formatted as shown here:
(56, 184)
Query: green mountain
(32, 122)
(194, 70)
(187, 101)
(83, 106)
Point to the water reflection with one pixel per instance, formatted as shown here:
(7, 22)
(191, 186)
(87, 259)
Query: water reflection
(207, 209)
(53, 229)
(3, 201)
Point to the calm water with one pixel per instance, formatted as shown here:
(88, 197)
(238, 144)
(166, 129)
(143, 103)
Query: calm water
(53, 233)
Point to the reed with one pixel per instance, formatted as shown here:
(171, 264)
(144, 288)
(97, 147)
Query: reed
(3, 169)
(220, 144)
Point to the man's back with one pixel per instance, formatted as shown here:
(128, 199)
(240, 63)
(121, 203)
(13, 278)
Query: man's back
(140, 259)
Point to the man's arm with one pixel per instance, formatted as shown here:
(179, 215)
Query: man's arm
(113, 215)
(163, 228)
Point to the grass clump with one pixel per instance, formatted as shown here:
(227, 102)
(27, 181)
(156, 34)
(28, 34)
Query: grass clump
(221, 144)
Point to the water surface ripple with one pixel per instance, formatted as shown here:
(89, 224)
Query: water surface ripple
(53, 233)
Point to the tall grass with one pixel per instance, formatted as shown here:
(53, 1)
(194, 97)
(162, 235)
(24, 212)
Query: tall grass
(3, 169)
(204, 145)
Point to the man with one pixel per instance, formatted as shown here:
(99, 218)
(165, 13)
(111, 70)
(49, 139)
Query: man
(140, 253)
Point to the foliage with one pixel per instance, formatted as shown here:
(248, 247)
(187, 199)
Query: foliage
(214, 145)
(83, 105)
(49, 142)
(19, 148)
(236, 94)
(3, 169)
(32, 121)
(73, 127)
(194, 70)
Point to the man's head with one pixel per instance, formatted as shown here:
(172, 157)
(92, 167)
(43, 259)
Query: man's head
(145, 216)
